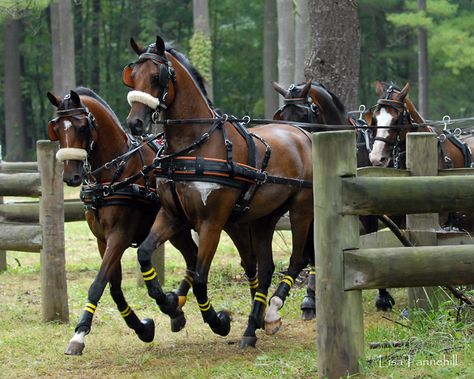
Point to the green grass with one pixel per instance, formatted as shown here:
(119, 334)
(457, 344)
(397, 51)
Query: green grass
(30, 348)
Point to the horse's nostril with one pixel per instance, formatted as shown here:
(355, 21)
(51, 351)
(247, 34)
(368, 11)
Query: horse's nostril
(135, 125)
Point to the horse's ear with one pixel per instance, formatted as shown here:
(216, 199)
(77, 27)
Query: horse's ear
(53, 99)
(51, 132)
(280, 89)
(127, 76)
(379, 90)
(136, 48)
(160, 45)
(305, 90)
(404, 91)
(75, 97)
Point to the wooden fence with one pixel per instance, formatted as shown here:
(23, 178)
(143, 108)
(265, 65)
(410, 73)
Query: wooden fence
(45, 233)
(344, 269)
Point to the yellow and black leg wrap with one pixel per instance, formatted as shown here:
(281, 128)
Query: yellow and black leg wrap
(86, 319)
(184, 288)
(153, 286)
(259, 305)
(284, 287)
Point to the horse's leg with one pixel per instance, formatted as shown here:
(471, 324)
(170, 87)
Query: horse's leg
(144, 329)
(162, 230)
(209, 236)
(185, 244)
(308, 305)
(262, 235)
(241, 236)
(111, 252)
(299, 259)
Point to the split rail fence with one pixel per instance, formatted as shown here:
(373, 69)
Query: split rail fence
(344, 269)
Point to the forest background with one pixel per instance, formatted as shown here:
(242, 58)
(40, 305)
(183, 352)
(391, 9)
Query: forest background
(238, 50)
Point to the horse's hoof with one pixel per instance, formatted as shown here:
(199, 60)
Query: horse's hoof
(178, 323)
(248, 342)
(224, 328)
(271, 327)
(308, 314)
(75, 348)
(148, 330)
(384, 303)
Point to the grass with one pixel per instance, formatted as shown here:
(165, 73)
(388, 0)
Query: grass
(30, 348)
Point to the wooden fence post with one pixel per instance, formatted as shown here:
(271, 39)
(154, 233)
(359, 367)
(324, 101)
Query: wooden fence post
(53, 271)
(339, 317)
(3, 253)
(422, 160)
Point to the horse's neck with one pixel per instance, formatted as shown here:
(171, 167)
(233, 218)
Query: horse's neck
(415, 115)
(189, 103)
(111, 140)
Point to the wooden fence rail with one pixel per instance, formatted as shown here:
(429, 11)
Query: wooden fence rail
(344, 269)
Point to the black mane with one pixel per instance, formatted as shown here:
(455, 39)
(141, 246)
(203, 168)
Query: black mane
(334, 98)
(185, 62)
(84, 91)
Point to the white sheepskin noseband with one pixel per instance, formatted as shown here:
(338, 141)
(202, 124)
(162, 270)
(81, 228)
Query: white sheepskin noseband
(144, 98)
(71, 153)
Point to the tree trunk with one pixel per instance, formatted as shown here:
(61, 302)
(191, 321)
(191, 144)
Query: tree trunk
(335, 55)
(270, 46)
(14, 119)
(302, 40)
(62, 38)
(286, 43)
(422, 66)
(201, 24)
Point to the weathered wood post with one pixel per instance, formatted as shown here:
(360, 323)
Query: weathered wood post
(339, 317)
(53, 270)
(422, 160)
(3, 253)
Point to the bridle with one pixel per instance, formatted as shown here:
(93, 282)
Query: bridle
(310, 107)
(166, 73)
(403, 119)
(71, 153)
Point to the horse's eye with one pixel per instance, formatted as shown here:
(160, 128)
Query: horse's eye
(155, 79)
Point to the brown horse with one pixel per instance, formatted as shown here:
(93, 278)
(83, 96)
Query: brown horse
(394, 108)
(210, 168)
(95, 149)
(311, 102)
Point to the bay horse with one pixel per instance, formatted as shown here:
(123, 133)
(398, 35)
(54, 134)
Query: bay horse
(313, 103)
(97, 151)
(214, 173)
(394, 108)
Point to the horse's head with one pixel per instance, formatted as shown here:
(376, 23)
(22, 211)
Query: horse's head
(389, 111)
(74, 129)
(151, 78)
(297, 104)
(310, 102)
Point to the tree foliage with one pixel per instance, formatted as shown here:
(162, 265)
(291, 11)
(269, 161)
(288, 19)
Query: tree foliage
(103, 28)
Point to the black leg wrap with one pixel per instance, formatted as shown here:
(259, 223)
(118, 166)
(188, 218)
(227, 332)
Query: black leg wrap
(308, 306)
(257, 314)
(84, 324)
(282, 291)
(384, 301)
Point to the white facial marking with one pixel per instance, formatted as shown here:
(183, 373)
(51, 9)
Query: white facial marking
(205, 189)
(67, 125)
(383, 119)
